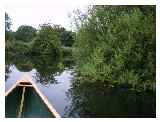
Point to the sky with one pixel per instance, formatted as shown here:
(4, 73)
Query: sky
(35, 12)
(31, 14)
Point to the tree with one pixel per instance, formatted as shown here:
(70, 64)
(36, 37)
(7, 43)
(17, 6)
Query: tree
(47, 41)
(67, 38)
(116, 44)
(25, 33)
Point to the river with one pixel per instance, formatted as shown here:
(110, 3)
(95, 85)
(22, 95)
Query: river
(73, 98)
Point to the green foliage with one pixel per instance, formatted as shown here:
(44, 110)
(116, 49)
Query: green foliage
(8, 46)
(25, 33)
(67, 38)
(67, 53)
(9, 35)
(47, 41)
(16, 48)
(117, 44)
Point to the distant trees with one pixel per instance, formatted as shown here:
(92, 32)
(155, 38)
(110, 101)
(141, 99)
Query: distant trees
(25, 33)
(47, 41)
(116, 44)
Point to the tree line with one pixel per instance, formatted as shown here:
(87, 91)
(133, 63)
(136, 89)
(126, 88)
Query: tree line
(48, 39)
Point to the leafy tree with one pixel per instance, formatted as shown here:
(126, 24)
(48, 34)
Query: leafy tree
(9, 35)
(67, 38)
(16, 48)
(25, 33)
(116, 44)
(47, 41)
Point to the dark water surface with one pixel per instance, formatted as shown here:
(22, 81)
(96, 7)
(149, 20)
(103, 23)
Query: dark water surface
(73, 98)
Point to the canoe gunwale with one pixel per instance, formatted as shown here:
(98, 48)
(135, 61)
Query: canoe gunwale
(33, 85)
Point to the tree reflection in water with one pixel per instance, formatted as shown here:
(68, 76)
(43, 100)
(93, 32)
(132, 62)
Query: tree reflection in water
(101, 100)
(46, 67)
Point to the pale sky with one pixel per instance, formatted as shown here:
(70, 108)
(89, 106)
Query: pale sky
(31, 14)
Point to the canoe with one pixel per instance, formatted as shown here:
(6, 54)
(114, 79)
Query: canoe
(25, 100)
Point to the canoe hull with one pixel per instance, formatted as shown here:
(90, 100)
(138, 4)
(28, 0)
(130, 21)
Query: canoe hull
(33, 106)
